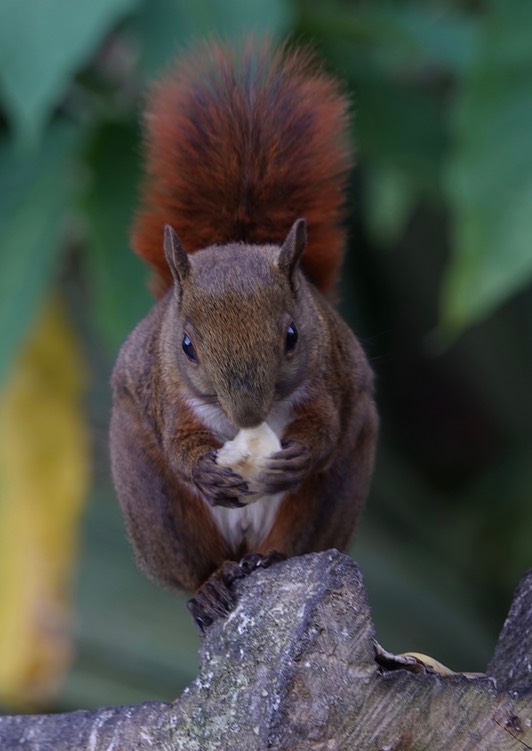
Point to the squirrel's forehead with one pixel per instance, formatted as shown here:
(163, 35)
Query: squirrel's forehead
(226, 276)
(235, 304)
(234, 265)
(234, 308)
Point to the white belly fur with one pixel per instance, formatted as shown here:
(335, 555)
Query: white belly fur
(247, 525)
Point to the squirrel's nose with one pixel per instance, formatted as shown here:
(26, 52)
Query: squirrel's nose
(248, 420)
(246, 411)
(244, 403)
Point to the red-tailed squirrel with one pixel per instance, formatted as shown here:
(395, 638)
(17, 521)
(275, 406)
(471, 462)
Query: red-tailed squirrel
(246, 149)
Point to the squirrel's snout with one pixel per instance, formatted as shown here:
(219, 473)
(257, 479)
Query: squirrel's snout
(247, 412)
(245, 397)
(245, 405)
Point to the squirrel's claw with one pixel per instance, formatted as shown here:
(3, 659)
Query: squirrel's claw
(220, 486)
(252, 561)
(287, 468)
(214, 599)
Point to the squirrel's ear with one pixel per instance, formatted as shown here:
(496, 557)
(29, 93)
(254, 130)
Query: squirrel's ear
(175, 255)
(293, 247)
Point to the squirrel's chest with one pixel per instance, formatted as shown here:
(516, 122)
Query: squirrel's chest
(249, 525)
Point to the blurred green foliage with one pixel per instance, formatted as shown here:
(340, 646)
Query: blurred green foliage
(437, 284)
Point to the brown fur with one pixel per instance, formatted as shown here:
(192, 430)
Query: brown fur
(237, 151)
(240, 144)
(158, 444)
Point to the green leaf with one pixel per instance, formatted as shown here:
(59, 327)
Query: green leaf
(36, 193)
(400, 124)
(490, 176)
(164, 26)
(402, 127)
(391, 200)
(236, 17)
(117, 278)
(401, 38)
(424, 37)
(42, 46)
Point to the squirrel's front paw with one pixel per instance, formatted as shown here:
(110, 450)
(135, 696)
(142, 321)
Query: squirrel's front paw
(220, 486)
(286, 469)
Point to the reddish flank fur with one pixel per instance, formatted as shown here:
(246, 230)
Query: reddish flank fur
(254, 139)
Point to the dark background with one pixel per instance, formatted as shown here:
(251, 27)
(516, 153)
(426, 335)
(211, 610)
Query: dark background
(436, 285)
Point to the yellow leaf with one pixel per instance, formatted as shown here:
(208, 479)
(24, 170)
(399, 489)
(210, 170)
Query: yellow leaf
(44, 453)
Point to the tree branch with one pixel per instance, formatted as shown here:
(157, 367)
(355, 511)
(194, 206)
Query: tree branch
(294, 668)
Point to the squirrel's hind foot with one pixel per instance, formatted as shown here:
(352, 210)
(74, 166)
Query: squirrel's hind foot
(252, 561)
(215, 599)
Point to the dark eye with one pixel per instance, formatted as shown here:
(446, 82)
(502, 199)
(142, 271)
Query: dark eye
(188, 349)
(291, 338)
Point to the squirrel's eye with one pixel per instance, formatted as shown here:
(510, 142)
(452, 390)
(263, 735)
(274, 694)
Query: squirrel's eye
(291, 338)
(188, 349)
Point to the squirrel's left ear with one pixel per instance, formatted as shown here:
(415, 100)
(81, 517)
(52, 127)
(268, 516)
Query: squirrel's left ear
(293, 247)
(175, 255)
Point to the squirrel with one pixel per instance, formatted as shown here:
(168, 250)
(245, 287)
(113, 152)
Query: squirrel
(248, 151)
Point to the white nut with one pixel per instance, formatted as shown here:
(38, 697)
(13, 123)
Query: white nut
(247, 453)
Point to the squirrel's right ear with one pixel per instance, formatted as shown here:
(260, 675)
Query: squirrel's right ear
(175, 255)
(293, 247)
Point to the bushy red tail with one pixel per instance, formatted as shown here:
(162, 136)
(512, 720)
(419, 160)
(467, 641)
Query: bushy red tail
(239, 145)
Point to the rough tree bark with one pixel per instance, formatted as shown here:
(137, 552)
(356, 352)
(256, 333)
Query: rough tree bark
(294, 667)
